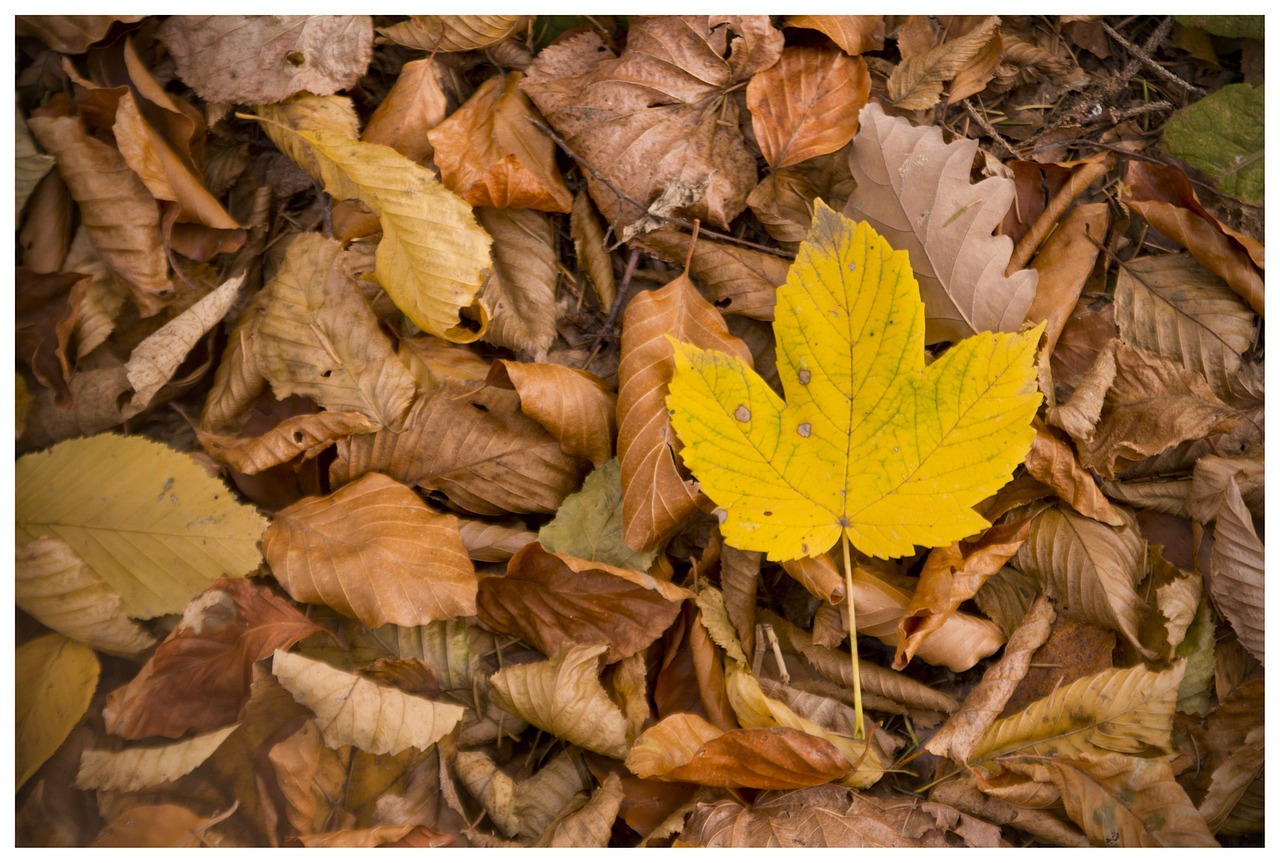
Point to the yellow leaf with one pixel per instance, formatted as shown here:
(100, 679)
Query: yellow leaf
(871, 442)
(55, 679)
(433, 256)
(150, 521)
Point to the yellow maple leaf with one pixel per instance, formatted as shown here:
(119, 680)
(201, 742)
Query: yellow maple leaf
(871, 444)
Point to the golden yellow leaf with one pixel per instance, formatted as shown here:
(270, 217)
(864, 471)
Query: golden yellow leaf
(55, 679)
(150, 521)
(871, 443)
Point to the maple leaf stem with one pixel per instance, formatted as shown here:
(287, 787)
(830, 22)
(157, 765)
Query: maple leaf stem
(859, 730)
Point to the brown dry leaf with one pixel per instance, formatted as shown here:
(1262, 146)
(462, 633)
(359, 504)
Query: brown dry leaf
(588, 824)
(493, 543)
(310, 332)
(1085, 334)
(1233, 743)
(454, 32)
(908, 177)
(951, 576)
(198, 678)
(163, 825)
(147, 766)
(472, 445)
(490, 153)
(916, 82)
(739, 581)
(69, 34)
(102, 301)
(305, 435)
(783, 202)
(1172, 306)
(854, 34)
(415, 105)
(118, 213)
(374, 551)
(550, 603)
(1237, 576)
(807, 104)
(656, 496)
(45, 234)
(275, 55)
(30, 165)
(661, 112)
(1204, 498)
(1053, 462)
(520, 291)
(45, 311)
(1128, 802)
(1163, 196)
(527, 807)
(1090, 568)
(738, 281)
(380, 836)
(1123, 710)
(957, 738)
(1064, 263)
(353, 711)
(575, 406)
(432, 256)
(56, 587)
(563, 696)
(311, 779)
(684, 747)
(590, 249)
(432, 360)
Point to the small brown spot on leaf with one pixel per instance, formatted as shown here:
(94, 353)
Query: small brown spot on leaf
(805, 377)
(742, 414)
(805, 429)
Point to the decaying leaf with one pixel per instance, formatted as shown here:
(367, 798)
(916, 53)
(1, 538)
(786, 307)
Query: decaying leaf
(916, 83)
(355, 712)
(56, 678)
(372, 550)
(915, 190)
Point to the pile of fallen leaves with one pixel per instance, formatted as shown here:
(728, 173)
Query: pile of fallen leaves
(349, 507)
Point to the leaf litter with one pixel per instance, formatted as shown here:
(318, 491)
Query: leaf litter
(363, 497)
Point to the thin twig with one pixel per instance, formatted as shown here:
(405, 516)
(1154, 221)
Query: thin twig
(1144, 57)
(616, 308)
(989, 129)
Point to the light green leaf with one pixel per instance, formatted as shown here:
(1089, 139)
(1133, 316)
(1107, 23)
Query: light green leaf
(1223, 135)
(589, 523)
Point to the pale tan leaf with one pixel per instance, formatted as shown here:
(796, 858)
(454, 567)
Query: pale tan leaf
(432, 257)
(1204, 498)
(963, 793)
(520, 291)
(55, 680)
(311, 333)
(590, 250)
(56, 587)
(807, 104)
(1052, 461)
(147, 766)
(915, 190)
(1173, 306)
(416, 104)
(1092, 569)
(454, 32)
(492, 543)
(960, 734)
(1123, 710)
(575, 406)
(275, 55)
(305, 435)
(738, 281)
(491, 155)
(474, 446)
(1168, 496)
(715, 618)
(527, 807)
(158, 531)
(1128, 802)
(118, 213)
(355, 712)
(372, 550)
(1237, 576)
(855, 34)
(563, 696)
(589, 825)
(916, 82)
(589, 523)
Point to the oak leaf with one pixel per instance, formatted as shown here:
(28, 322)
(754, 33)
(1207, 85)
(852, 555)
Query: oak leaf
(915, 190)
(868, 432)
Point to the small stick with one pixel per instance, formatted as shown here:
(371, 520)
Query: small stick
(617, 306)
(989, 129)
(1144, 57)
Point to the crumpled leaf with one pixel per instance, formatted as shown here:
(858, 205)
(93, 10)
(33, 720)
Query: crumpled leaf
(855, 34)
(738, 281)
(793, 477)
(139, 767)
(199, 677)
(453, 32)
(589, 523)
(807, 104)
(1221, 135)
(588, 824)
(56, 587)
(474, 446)
(574, 405)
(661, 112)
(352, 711)
(1233, 743)
(525, 807)
(916, 82)
(432, 257)
(1053, 462)
(275, 55)
(305, 435)
(490, 154)
(55, 679)
(552, 600)
(563, 696)
(520, 290)
(374, 551)
(908, 177)
(46, 308)
(415, 105)
(158, 530)
(1237, 580)
(1209, 484)
(656, 497)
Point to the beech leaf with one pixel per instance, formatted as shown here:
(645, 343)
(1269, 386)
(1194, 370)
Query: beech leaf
(147, 766)
(1221, 135)
(1238, 578)
(56, 678)
(453, 32)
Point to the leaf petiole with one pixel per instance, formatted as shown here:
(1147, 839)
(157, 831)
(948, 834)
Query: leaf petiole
(859, 729)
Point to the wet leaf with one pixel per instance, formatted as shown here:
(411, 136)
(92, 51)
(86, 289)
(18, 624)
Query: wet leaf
(55, 679)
